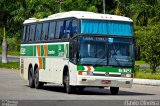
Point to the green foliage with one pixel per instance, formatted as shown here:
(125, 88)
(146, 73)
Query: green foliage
(13, 44)
(136, 68)
(11, 65)
(151, 45)
(14, 12)
(11, 52)
(145, 13)
(140, 62)
(147, 74)
(92, 9)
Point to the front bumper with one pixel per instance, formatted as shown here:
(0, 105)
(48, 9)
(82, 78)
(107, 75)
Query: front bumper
(104, 81)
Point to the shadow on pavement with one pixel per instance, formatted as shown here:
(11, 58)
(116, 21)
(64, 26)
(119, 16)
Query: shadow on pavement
(92, 91)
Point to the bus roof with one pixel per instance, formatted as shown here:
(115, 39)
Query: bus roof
(80, 15)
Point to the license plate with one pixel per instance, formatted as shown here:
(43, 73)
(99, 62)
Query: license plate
(106, 82)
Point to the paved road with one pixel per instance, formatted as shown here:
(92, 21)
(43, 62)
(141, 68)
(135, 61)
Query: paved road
(11, 58)
(12, 87)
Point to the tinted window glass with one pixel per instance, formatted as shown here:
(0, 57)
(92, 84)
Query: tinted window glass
(27, 33)
(74, 27)
(67, 29)
(32, 32)
(52, 30)
(45, 31)
(24, 33)
(38, 32)
(59, 29)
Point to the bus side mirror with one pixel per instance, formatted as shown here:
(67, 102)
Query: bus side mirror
(137, 53)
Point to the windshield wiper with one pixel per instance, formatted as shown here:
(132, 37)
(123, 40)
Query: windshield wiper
(97, 62)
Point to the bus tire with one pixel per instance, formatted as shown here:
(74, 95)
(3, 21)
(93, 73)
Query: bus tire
(31, 78)
(37, 83)
(114, 90)
(68, 88)
(80, 89)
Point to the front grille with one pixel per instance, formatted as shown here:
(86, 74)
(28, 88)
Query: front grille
(107, 74)
(95, 74)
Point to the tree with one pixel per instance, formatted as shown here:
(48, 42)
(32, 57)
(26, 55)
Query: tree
(144, 10)
(5, 19)
(82, 5)
(150, 49)
(122, 7)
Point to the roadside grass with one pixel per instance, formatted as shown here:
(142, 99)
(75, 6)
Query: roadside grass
(139, 62)
(10, 65)
(146, 74)
(10, 52)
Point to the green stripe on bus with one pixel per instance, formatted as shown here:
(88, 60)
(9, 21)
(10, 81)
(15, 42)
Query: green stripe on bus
(67, 49)
(53, 50)
(42, 50)
(34, 51)
(26, 50)
(44, 63)
(108, 69)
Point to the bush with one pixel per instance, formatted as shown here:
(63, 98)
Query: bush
(147, 74)
(136, 68)
(12, 44)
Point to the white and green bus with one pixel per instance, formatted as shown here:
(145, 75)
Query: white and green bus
(78, 49)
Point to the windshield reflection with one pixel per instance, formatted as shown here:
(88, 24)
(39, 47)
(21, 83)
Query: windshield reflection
(93, 50)
(106, 51)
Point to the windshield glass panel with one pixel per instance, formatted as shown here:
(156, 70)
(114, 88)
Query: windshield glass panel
(120, 52)
(93, 51)
(106, 51)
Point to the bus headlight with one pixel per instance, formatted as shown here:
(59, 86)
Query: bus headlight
(127, 75)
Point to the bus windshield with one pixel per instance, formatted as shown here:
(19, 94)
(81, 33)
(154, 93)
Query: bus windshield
(93, 50)
(106, 51)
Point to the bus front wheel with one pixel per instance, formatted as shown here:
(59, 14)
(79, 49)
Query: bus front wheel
(114, 90)
(38, 84)
(68, 88)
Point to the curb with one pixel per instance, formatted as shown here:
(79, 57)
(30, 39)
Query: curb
(146, 82)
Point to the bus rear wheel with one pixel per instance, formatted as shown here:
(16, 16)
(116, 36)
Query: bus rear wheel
(114, 90)
(31, 78)
(68, 88)
(38, 84)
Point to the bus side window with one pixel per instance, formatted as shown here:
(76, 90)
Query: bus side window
(27, 33)
(61, 32)
(59, 29)
(67, 29)
(52, 27)
(24, 33)
(74, 28)
(45, 31)
(32, 32)
(38, 32)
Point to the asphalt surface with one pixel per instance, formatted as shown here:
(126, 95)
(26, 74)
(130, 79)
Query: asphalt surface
(12, 87)
(15, 92)
(11, 58)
